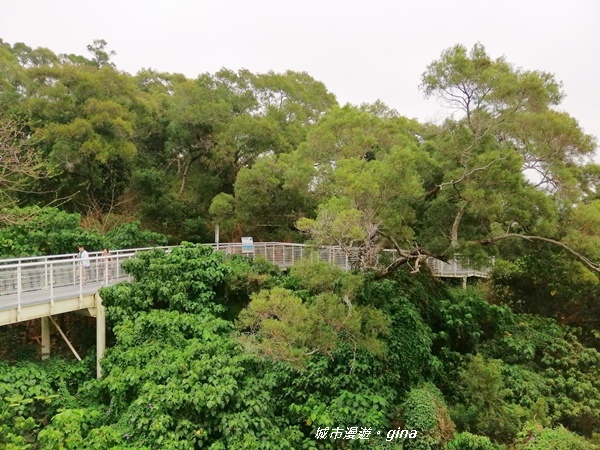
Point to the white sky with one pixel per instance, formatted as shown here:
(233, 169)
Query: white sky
(361, 50)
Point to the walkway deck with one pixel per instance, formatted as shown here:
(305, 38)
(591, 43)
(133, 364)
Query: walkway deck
(38, 287)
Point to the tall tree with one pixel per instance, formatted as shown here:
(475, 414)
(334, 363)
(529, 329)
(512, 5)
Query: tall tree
(468, 182)
(84, 119)
(20, 166)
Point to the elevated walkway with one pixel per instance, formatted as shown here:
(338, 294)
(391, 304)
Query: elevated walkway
(44, 286)
(35, 287)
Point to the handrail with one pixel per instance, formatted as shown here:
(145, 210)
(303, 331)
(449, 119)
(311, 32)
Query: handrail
(43, 258)
(70, 258)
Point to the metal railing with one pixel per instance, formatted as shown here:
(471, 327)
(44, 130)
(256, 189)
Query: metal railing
(40, 278)
(459, 268)
(48, 258)
(55, 273)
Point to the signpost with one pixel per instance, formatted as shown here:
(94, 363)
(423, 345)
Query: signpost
(247, 245)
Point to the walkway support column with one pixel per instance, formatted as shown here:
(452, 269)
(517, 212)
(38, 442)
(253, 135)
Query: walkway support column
(464, 282)
(100, 334)
(45, 321)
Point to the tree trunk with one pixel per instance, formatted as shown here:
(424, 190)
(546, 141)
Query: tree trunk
(456, 225)
(186, 172)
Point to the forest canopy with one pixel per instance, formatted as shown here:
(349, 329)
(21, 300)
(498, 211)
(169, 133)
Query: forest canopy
(274, 156)
(215, 351)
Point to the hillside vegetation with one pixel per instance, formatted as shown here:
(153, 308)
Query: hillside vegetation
(223, 352)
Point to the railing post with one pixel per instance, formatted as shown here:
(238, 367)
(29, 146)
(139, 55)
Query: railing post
(106, 269)
(46, 273)
(19, 290)
(129, 274)
(80, 284)
(51, 288)
(100, 334)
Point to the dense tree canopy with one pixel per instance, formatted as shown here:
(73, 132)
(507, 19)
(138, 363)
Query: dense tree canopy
(215, 351)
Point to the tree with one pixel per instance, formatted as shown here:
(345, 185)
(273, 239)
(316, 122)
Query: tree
(457, 188)
(20, 166)
(101, 57)
(279, 325)
(507, 124)
(364, 170)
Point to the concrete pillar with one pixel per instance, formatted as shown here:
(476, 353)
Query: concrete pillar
(100, 334)
(464, 282)
(45, 338)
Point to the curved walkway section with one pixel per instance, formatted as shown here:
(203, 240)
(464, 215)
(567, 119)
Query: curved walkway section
(42, 286)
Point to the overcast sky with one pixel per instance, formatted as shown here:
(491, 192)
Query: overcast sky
(361, 50)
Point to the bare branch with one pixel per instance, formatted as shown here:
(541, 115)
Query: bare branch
(466, 174)
(588, 262)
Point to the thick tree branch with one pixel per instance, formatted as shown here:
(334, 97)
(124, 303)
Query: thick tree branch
(456, 224)
(417, 254)
(588, 262)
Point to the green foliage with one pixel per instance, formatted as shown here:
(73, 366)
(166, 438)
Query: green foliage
(424, 410)
(468, 441)
(409, 341)
(263, 201)
(536, 437)
(70, 428)
(485, 409)
(569, 370)
(50, 231)
(314, 276)
(44, 231)
(467, 320)
(176, 380)
(222, 212)
(244, 277)
(30, 394)
(131, 235)
(327, 393)
(548, 283)
(280, 326)
(183, 279)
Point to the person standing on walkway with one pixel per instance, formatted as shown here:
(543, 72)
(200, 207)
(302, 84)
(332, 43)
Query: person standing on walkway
(107, 266)
(84, 257)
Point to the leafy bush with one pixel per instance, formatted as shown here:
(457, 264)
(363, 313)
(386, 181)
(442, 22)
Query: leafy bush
(131, 235)
(184, 279)
(31, 393)
(50, 231)
(567, 372)
(314, 276)
(424, 410)
(45, 231)
(485, 409)
(536, 437)
(244, 277)
(409, 341)
(468, 441)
